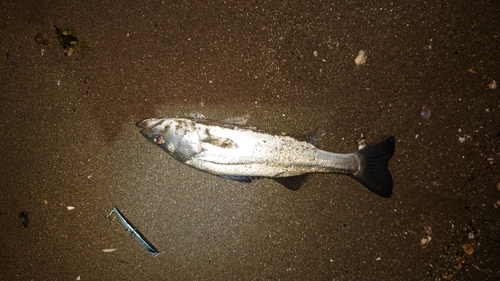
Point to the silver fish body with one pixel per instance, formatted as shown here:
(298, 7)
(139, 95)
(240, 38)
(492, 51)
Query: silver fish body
(243, 154)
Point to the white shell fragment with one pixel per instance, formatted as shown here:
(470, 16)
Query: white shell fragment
(70, 208)
(108, 250)
(361, 58)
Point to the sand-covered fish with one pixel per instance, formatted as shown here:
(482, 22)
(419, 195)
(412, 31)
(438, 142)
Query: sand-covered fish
(243, 154)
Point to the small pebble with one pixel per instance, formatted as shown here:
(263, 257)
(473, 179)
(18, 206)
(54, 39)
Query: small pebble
(468, 249)
(425, 112)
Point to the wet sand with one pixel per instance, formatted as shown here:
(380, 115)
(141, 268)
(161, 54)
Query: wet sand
(69, 139)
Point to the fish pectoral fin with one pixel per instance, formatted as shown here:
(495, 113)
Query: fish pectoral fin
(292, 183)
(239, 178)
(221, 142)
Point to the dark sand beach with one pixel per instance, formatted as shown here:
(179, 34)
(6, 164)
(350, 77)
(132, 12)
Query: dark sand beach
(68, 139)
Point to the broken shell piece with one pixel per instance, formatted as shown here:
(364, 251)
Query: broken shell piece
(70, 208)
(361, 58)
(493, 85)
(460, 261)
(428, 231)
(362, 142)
(447, 277)
(108, 250)
(424, 242)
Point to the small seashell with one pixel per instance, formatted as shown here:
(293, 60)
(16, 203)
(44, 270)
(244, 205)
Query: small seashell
(70, 208)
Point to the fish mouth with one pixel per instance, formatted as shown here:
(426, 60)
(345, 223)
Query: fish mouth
(141, 124)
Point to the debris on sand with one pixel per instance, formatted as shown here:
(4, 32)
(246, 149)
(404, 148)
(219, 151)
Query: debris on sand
(493, 85)
(41, 40)
(426, 239)
(361, 58)
(24, 215)
(10, 58)
(69, 42)
(108, 250)
(425, 112)
(468, 249)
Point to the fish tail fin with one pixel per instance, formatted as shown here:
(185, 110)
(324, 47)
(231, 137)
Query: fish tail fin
(374, 171)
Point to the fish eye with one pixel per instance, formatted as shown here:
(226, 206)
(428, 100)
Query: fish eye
(159, 140)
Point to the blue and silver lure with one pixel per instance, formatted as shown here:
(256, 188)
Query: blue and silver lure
(134, 232)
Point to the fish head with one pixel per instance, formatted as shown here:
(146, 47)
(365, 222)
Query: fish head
(177, 136)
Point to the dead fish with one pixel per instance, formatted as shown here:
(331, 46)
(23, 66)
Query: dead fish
(243, 154)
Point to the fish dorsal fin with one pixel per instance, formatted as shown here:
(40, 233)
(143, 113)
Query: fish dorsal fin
(292, 183)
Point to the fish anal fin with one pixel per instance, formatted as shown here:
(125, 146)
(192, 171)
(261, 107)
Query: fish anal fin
(292, 183)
